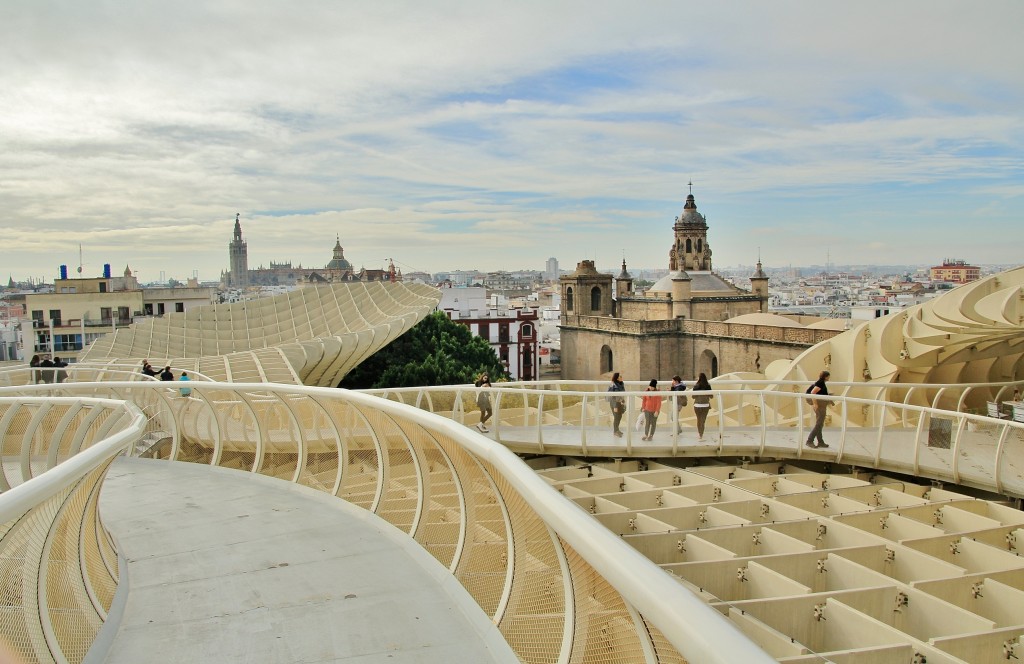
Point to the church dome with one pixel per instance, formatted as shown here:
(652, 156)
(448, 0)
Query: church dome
(664, 285)
(339, 262)
(702, 281)
(690, 216)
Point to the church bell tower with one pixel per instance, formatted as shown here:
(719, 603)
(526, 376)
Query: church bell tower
(238, 254)
(691, 250)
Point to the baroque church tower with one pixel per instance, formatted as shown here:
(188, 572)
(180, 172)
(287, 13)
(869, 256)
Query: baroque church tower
(691, 250)
(238, 253)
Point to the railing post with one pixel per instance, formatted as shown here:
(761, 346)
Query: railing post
(921, 417)
(764, 424)
(1000, 446)
(800, 425)
(496, 415)
(629, 423)
(956, 448)
(881, 432)
(721, 421)
(583, 424)
(842, 432)
(963, 398)
(540, 422)
(677, 425)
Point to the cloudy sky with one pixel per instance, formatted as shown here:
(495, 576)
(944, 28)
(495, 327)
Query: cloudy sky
(492, 135)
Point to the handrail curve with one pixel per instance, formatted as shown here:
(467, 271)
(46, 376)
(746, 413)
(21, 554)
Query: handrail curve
(58, 582)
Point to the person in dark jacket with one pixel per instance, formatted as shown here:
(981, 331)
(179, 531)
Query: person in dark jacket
(62, 375)
(820, 409)
(34, 366)
(617, 403)
(166, 374)
(679, 386)
(46, 369)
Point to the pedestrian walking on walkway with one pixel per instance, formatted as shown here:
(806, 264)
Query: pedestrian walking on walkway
(651, 406)
(483, 402)
(617, 403)
(679, 386)
(701, 403)
(820, 409)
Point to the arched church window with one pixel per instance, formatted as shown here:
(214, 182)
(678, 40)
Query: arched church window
(595, 298)
(606, 359)
(526, 331)
(700, 248)
(689, 246)
(568, 298)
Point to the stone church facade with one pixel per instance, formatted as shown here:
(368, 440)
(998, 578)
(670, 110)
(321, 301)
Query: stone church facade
(678, 325)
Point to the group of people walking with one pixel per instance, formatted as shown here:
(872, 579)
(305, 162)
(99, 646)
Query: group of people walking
(166, 375)
(650, 404)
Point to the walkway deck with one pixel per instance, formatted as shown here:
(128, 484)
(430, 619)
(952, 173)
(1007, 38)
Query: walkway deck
(226, 566)
(894, 450)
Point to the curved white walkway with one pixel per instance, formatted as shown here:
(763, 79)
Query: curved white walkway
(227, 566)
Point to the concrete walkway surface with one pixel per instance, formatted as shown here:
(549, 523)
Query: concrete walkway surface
(227, 566)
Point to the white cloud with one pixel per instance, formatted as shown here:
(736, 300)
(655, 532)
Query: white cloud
(139, 129)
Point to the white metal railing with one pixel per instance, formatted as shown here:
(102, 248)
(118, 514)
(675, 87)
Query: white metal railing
(60, 570)
(83, 373)
(442, 482)
(965, 397)
(959, 447)
(540, 567)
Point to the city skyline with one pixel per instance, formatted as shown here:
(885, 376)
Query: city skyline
(486, 136)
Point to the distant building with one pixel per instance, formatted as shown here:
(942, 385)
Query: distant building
(12, 310)
(551, 272)
(955, 271)
(79, 311)
(284, 274)
(512, 333)
(689, 321)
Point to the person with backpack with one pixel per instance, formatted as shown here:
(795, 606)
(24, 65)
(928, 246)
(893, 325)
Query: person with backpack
(617, 404)
(820, 409)
(679, 386)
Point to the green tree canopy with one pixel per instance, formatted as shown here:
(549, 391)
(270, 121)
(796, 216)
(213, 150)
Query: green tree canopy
(437, 351)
